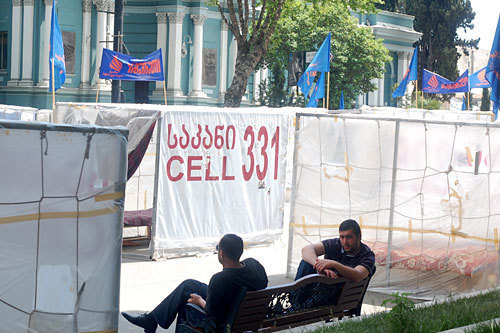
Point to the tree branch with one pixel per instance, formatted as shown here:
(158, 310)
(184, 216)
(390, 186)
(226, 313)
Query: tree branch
(244, 30)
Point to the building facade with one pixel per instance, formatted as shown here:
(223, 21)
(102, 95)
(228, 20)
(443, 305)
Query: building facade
(199, 51)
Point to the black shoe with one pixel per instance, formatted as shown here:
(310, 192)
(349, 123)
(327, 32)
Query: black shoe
(145, 320)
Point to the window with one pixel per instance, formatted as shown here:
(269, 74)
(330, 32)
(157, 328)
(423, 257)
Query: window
(3, 49)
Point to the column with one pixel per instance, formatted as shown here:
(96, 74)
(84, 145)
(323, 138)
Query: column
(373, 95)
(198, 21)
(360, 100)
(27, 64)
(401, 65)
(161, 41)
(85, 72)
(256, 84)
(46, 44)
(223, 60)
(381, 84)
(15, 67)
(110, 25)
(102, 7)
(174, 54)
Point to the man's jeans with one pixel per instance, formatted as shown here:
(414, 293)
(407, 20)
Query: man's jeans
(304, 269)
(175, 303)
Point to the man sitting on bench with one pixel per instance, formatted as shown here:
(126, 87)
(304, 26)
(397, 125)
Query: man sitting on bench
(216, 299)
(345, 256)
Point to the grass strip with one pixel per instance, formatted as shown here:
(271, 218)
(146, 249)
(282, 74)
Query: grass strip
(406, 317)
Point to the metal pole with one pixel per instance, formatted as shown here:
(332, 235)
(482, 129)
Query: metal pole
(117, 46)
(293, 196)
(391, 211)
(155, 193)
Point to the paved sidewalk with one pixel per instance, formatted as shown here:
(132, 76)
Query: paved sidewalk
(144, 284)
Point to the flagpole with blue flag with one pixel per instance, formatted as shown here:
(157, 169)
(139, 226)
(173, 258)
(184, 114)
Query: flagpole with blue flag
(493, 70)
(56, 57)
(320, 63)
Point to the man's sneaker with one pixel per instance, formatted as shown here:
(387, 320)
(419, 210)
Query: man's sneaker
(145, 320)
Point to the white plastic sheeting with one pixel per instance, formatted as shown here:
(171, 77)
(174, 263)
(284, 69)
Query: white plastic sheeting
(13, 112)
(425, 192)
(61, 212)
(220, 171)
(191, 215)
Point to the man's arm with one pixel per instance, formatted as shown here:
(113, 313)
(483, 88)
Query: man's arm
(197, 300)
(356, 274)
(311, 252)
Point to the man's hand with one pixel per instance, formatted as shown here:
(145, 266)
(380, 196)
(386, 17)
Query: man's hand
(322, 264)
(197, 300)
(330, 273)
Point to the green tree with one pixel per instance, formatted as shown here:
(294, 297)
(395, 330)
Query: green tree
(485, 100)
(252, 24)
(439, 21)
(357, 56)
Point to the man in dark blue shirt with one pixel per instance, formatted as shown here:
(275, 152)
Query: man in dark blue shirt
(345, 256)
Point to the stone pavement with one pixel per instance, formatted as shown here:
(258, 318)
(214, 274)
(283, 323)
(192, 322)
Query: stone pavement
(144, 284)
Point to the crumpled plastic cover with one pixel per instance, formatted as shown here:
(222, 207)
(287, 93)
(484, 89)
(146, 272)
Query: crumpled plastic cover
(432, 221)
(61, 212)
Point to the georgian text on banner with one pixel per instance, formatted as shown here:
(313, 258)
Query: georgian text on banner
(118, 66)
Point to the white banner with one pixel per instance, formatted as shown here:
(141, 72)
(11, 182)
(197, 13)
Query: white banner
(220, 172)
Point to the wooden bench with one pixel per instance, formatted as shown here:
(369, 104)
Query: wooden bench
(311, 299)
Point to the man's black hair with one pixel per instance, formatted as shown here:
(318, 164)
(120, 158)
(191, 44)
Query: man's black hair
(351, 225)
(232, 245)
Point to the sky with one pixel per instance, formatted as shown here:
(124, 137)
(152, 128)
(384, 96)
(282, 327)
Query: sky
(485, 22)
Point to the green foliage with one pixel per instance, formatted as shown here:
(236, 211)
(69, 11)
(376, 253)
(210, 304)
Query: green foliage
(439, 21)
(357, 56)
(485, 100)
(433, 318)
(400, 315)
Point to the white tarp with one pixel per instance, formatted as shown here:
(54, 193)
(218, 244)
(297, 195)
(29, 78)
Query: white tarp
(61, 212)
(425, 192)
(13, 112)
(191, 215)
(220, 171)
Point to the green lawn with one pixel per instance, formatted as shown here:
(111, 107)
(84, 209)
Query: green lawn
(405, 317)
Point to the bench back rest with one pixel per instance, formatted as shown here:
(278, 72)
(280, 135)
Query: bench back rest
(285, 305)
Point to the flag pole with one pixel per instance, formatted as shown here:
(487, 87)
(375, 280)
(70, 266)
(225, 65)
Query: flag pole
(468, 101)
(328, 92)
(164, 92)
(416, 93)
(97, 94)
(53, 89)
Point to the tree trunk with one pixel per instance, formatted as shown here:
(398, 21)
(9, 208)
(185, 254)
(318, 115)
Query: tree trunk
(245, 64)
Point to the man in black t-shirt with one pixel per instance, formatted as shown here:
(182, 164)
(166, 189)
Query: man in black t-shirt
(344, 256)
(217, 298)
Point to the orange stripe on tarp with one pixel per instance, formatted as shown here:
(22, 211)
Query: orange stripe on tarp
(58, 215)
(109, 196)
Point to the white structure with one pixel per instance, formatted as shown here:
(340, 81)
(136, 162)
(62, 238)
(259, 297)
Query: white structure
(60, 227)
(422, 185)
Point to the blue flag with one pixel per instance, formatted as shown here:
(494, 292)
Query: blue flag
(118, 66)
(320, 63)
(410, 75)
(463, 104)
(341, 104)
(478, 79)
(433, 83)
(318, 92)
(493, 70)
(56, 54)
